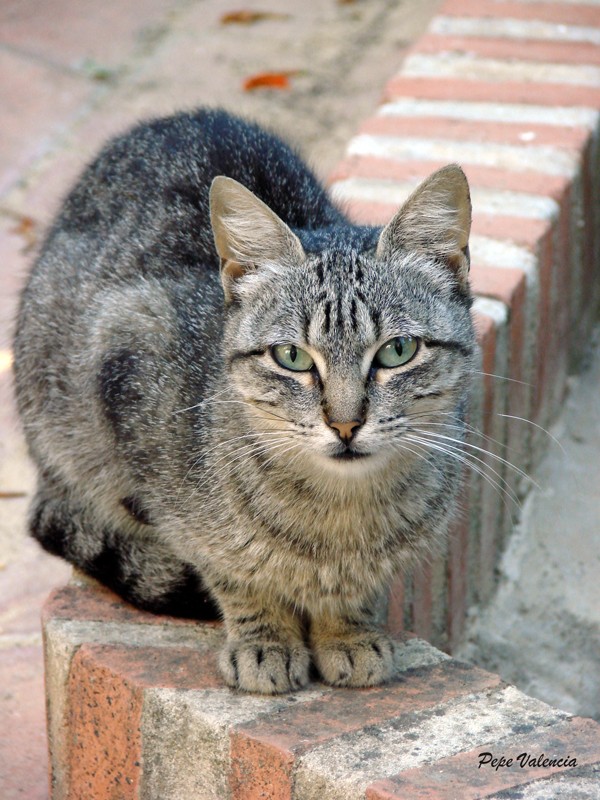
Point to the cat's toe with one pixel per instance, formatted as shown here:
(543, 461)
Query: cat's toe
(356, 661)
(265, 667)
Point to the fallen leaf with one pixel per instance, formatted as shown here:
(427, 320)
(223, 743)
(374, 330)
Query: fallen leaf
(250, 17)
(12, 495)
(26, 227)
(269, 80)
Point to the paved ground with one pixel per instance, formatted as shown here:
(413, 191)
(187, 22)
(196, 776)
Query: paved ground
(72, 73)
(542, 630)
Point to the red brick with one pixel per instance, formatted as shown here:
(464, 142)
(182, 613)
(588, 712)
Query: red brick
(506, 227)
(507, 49)
(414, 171)
(491, 494)
(260, 770)
(106, 684)
(395, 614)
(458, 570)
(422, 600)
(279, 739)
(94, 602)
(458, 776)
(545, 333)
(105, 747)
(561, 13)
(499, 283)
(542, 94)
(509, 286)
(563, 136)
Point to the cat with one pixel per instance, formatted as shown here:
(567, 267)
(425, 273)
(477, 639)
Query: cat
(228, 390)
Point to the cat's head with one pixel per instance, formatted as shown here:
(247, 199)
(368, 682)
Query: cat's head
(337, 355)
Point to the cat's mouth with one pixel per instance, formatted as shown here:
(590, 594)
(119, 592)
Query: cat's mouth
(349, 455)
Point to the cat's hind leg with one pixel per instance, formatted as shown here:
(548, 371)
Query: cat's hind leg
(132, 562)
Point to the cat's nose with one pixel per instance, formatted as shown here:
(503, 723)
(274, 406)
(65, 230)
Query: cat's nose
(346, 430)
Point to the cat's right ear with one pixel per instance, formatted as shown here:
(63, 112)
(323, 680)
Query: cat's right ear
(247, 233)
(435, 219)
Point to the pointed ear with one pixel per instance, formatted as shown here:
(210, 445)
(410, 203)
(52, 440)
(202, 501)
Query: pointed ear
(247, 233)
(435, 219)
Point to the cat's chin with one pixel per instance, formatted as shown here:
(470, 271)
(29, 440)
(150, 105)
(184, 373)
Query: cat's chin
(352, 463)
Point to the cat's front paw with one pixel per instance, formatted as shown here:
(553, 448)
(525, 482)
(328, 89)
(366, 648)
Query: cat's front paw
(265, 667)
(365, 659)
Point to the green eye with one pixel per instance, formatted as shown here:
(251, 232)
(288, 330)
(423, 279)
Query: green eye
(292, 357)
(396, 352)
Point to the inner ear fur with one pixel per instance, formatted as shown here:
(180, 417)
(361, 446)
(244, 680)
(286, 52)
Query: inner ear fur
(247, 233)
(435, 219)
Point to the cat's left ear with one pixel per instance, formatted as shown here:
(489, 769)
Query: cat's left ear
(247, 233)
(435, 219)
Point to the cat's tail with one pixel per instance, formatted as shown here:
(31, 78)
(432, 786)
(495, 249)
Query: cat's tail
(133, 563)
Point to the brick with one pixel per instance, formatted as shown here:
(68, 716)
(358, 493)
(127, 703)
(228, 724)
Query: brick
(484, 545)
(514, 133)
(395, 606)
(459, 776)
(563, 13)
(458, 570)
(413, 171)
(343, 769)
(549, 160)
(105, 748)
(283, 739)
(422, 601)
(505, 48)
(499, 91)
(466, 65)
(90, 601)
(491, 112)
(516, 29)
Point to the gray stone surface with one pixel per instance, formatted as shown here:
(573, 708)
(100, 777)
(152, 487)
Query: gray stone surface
(542, 630)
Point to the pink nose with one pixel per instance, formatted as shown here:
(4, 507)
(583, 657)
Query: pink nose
(345, 430)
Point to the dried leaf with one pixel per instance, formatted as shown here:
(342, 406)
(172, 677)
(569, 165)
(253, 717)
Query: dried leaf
(27, 228)
(12, 495)
(250, 17)
(269, 80)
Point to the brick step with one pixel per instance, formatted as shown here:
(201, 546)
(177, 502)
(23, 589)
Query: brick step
(137, 710)
(511, 91)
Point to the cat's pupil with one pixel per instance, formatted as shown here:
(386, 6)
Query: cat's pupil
(399, 345)
(293, 352)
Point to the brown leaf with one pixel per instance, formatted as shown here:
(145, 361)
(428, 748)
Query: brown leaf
(12, 495)
(26, 227)
(269, 80)
(250, 17)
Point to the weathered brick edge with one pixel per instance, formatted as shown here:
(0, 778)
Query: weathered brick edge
(511, 90)
(136, 709)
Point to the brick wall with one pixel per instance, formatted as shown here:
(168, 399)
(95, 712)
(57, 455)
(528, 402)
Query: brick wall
(511, 91)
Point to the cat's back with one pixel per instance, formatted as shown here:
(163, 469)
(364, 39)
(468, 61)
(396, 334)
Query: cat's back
(154, 181)
(126, 293)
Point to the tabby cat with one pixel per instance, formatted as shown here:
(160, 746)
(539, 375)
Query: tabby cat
(226, 387)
